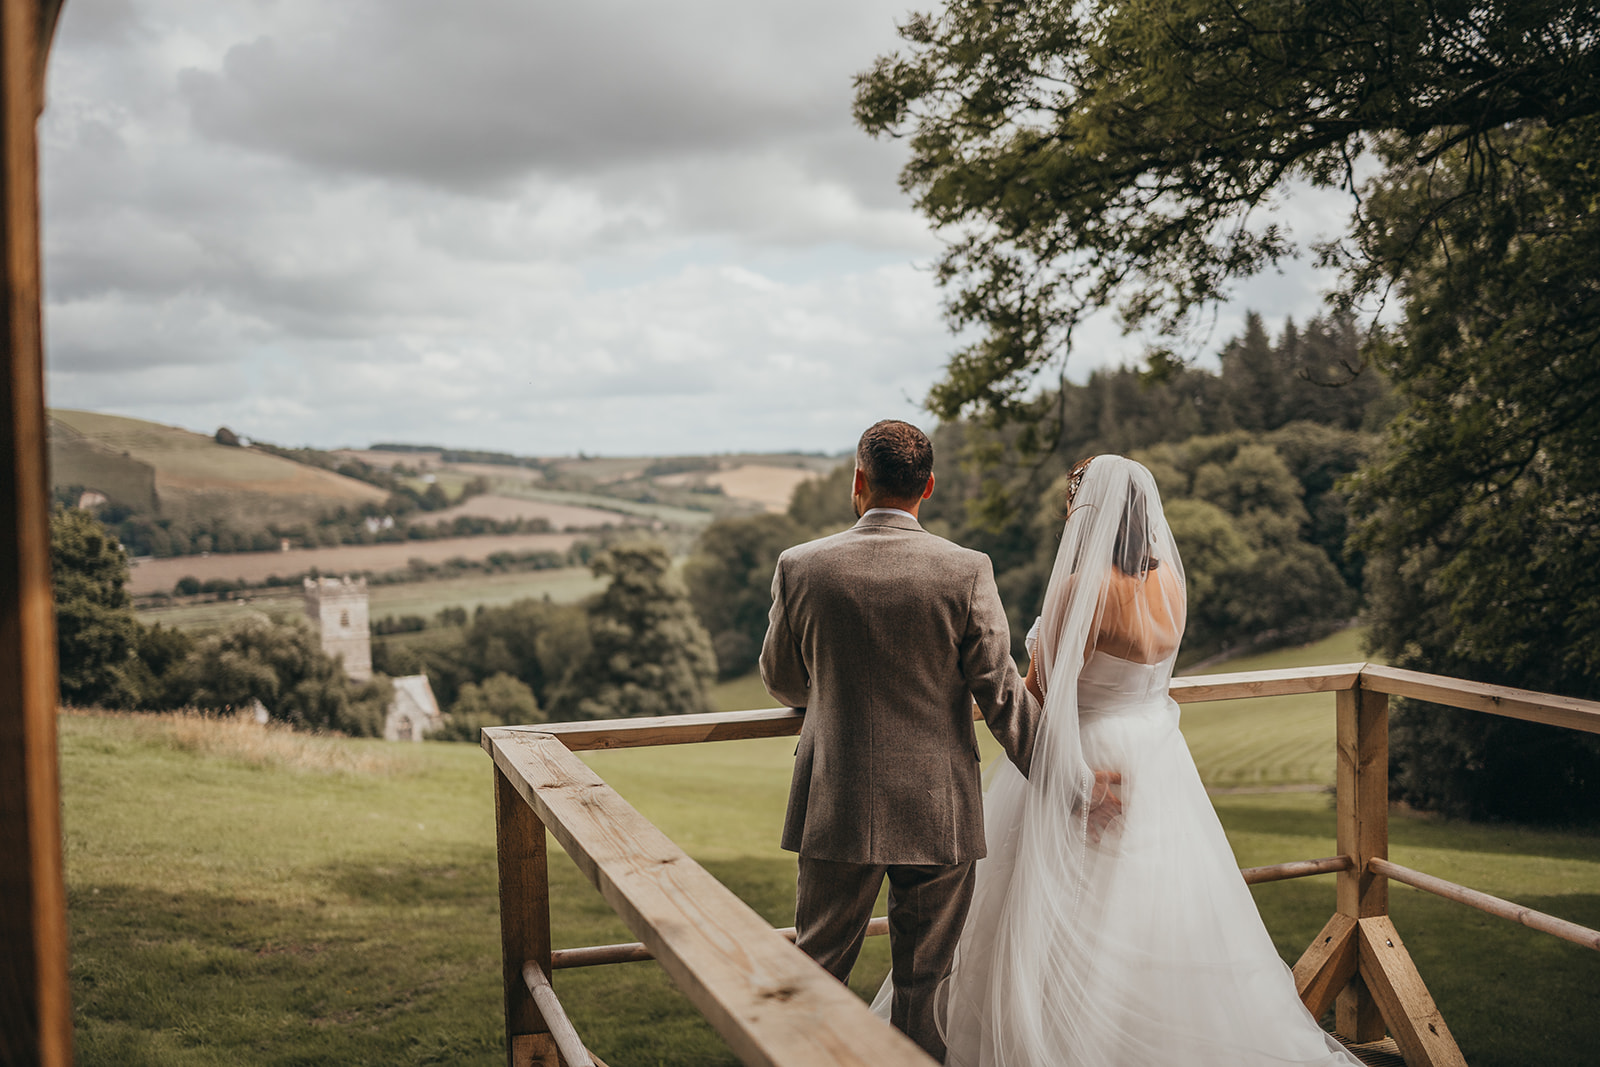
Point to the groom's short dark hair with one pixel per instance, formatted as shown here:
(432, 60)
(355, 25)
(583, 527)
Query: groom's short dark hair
(897, 459)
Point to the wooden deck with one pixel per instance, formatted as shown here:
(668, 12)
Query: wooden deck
(774, 1006)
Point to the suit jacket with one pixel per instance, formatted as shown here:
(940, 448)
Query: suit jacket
(885, 634)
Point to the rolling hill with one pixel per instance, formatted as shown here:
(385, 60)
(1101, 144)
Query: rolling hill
(190, 477)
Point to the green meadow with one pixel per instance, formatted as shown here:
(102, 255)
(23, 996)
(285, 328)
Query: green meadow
(239, 895)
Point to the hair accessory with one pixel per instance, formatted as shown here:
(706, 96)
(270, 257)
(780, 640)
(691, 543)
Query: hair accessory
(1075, 478)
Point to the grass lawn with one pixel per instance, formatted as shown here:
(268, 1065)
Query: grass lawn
(257, 898)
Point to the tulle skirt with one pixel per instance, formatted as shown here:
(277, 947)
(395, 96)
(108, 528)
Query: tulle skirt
(1161, 956)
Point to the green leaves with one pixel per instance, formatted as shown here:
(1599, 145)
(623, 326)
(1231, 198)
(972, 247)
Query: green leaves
(1080, 157)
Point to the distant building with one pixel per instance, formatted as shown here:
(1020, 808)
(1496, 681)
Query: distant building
(339, 608)
(413, 712)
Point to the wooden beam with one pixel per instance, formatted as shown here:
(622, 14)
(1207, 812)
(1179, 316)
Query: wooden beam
(1413, 1018)
(668, 729)
(1292, 680)
(35, 1005)
(1525, 704)
(769, 1001)
(520, 846)
(1327, 965)
(562, 1032)
(1279, 872)
(1504, 909)
(1362, 831)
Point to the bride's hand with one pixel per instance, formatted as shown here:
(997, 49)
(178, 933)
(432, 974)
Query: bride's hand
(1105, 803)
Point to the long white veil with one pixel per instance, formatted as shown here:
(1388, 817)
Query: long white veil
(1116, 590)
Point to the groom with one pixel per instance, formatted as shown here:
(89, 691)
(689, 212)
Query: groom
(884, 635)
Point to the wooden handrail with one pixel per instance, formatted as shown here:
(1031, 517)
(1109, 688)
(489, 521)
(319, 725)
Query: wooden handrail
(1525, 704)
(1504, 909)
(767, 999)
(1278, 872)
(774, 1006)
(565, 1035)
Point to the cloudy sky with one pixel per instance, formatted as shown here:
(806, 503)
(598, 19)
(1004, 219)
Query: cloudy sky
(616, 226)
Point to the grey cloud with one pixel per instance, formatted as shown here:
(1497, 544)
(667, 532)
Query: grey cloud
(475, 96)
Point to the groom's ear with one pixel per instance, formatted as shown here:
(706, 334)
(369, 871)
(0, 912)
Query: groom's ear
(859, 486)
(927, 490)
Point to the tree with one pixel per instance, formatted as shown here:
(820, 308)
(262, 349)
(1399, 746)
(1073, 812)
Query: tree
(1481, 515)
(1114, 155)
(730, 584)
(282, 665)
(822, 505)
(96, 631)
(649, 655)
(501, 700)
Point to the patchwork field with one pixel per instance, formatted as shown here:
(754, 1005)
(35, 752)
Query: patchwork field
(238, 897)
(503, 508)
(563, 585)
(767, 485)
(160, 575)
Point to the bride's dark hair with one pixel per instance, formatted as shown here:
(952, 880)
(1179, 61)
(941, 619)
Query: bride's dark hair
(1131, 553)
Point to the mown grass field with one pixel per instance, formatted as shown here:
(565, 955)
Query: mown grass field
(255, 898)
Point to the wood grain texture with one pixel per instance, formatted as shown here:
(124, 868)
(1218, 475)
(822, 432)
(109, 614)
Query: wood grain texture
(35, 1005)
(1327, 965)
(1290, 680)
(1548, 708)
(562, 1032)
(636, 952)
(667, 729)
(1413, 1018)
(1505, 909)
(520, 846)
(1362, 832)
(770, 1002)
(1278, 872)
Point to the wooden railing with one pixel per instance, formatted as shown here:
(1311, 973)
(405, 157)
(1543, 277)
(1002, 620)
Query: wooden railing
(774, 1006)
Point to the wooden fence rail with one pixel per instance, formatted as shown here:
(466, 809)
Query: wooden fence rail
(774, 1006)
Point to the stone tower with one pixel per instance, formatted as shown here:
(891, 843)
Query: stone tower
(339, 608)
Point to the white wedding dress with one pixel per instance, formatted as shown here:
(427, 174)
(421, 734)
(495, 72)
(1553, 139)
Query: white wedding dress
(1140, 945)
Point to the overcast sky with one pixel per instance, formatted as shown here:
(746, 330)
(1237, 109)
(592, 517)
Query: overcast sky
(616, 226)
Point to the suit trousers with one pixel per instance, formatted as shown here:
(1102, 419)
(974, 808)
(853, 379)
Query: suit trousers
(927, 909)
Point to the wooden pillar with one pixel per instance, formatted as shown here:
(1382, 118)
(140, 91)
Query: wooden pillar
(520, 847)
(35, 1007)
(1363, 833)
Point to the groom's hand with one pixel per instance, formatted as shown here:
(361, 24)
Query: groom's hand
(1105, 803)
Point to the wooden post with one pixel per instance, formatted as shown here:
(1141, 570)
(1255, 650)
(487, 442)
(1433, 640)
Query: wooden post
(1363, 832)
(520, 846)
(35, 1006)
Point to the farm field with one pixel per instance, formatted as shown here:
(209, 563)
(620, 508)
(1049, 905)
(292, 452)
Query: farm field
(564, 585)
(196, 477)
(248, 896)
(666, 514)
(767, 485)
(502, 508)
(160, 575)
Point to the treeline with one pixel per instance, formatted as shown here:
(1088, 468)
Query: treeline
(416, 570)
(110, 659)
(1248, 458)
(636, 648)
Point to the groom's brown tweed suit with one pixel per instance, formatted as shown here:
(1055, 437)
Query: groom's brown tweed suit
(885, 634)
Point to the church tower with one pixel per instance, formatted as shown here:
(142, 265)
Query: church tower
(339, 608)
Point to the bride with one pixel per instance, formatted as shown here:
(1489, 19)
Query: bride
(1101, 939)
